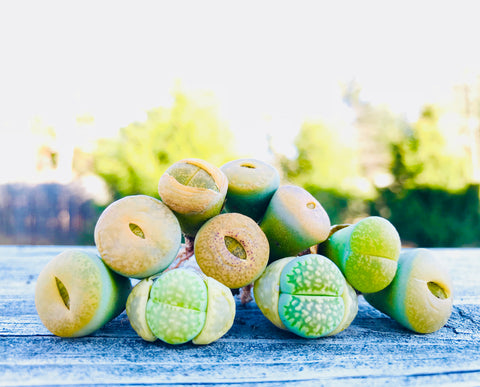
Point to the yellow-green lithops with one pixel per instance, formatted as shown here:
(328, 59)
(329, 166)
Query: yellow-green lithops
(181, 305)
(76, 294)
(420, 297)
(232, 249)
(306, 295)
(195, 191)
(137, 236)
(251, 185)
(294, 221)
(366, 252)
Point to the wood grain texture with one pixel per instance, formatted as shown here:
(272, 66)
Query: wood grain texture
(374, 350)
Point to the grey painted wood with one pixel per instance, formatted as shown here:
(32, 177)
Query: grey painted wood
(374, 350)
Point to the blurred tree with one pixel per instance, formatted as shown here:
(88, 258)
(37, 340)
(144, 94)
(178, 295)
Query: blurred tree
(133, 162)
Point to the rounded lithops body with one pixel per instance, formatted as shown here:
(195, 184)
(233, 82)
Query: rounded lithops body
(232, 249)
(420, 297)
(251, 185)
(366, 252)
(137, 236)
(76, 294)
(181, 305)
(306, 295)
(294, 221)
(195, 191)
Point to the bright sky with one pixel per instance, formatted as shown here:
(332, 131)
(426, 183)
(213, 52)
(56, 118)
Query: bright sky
(271, 65)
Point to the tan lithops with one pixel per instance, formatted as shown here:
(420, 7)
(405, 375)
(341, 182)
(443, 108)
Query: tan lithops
(195, 191)
(232, 249)
(137, 236)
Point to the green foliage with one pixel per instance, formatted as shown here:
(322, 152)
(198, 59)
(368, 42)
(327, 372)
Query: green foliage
(133, 162)
(432, 217)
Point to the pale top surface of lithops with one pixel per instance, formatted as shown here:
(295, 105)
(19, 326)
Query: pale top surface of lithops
(76, 294)
(176, 309)
(307, 295)
(232, 249)
(220, 313)
(294, 221)
(138, 236)
(366, 252)
(246, 176)
(192, 186)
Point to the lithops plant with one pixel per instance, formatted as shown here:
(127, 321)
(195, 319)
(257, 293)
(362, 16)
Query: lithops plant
(232, 249)
(294, 221)
(137, 236)
(77, 294)
(179, 306)
(306, 295)
(366, 252)
(420, 297)
(251, 185)
(195, 191)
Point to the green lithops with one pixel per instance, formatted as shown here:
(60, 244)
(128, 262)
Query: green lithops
(366, 252)
(76, 294)
(306, 295)
(195, 191)
(251, 185)
(293, 222)
(232, 249)
(420, 297)
(181, 305)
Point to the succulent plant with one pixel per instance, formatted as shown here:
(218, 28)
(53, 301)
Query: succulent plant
(181, 305)
(366, 252)
(294, 221)
(251, 185)
(76, 294)
(420, 297)
(137, 236)
(195, 191)
(306, 295)
(232, 249)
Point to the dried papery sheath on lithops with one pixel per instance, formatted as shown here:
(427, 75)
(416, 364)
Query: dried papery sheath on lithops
(420, 297)
(251, 185)
(366, 252)
(195, 191)
(294, 221)
(306, 295)
(232, 248)
(76, 294)
(138, 236)
(181, 305)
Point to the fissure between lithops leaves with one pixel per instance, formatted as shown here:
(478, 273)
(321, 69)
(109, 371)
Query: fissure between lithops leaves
(247, 165)
(235, 247)
(136, 230)
(437, 290)
(62, 290)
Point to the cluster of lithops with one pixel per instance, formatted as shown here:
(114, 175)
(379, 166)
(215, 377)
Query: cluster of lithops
(242, 229)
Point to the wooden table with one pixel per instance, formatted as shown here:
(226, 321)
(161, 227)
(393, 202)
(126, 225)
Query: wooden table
(374, 350)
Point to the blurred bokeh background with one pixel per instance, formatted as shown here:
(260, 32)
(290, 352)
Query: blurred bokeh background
(372, 106)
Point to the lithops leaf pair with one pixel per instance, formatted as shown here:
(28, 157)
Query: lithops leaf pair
(420, 297)
(251, 185)
(76, 294)
(366, 252)
(181, 305)
(195, 191)
(232, 249)
(306, 295)
(294, 221)
(137, 236)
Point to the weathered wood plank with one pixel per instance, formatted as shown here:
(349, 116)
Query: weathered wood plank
(373, 350)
